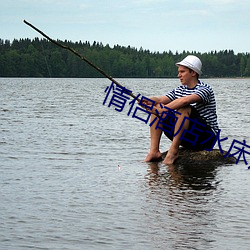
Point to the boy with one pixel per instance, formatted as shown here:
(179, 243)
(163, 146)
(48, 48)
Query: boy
(193, 112)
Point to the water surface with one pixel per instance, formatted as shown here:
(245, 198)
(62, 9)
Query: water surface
(72, 174)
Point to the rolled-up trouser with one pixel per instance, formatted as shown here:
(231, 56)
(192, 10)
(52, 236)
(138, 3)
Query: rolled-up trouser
(198, 136)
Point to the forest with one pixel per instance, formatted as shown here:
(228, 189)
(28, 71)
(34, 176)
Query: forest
(41, 58)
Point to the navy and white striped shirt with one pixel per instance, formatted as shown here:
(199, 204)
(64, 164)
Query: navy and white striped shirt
(206, 108)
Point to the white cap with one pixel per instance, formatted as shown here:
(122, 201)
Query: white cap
(191, 62)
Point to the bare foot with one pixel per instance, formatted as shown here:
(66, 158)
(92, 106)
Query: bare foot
(153, 156)
(170, 157)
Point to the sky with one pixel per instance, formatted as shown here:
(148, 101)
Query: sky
(155, 25)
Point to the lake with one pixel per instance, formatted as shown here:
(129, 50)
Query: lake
(72, 174)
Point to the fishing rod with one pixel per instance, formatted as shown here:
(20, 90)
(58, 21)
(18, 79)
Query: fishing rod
(80, 56)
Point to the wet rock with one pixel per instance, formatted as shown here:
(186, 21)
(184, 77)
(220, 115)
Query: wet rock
(202, 157)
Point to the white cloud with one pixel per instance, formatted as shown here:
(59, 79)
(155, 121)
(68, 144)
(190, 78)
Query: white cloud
(149, 2)
(221, 2)
(152, 24)
(83, 6)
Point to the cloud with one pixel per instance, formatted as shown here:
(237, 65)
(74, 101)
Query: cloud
(221, 2)
(83, 6)
(225, 5)
(149, 2)
(152, 24)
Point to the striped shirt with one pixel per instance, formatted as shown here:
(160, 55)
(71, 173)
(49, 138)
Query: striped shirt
(206, 108)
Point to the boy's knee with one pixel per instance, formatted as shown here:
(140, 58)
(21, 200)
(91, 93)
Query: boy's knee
(185, 110)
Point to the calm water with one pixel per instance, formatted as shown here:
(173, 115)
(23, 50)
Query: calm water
(72, 176)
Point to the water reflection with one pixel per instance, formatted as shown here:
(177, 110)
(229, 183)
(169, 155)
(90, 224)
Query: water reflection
(184, 195)
(185, 176)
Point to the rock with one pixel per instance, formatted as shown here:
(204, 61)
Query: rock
(203, 157)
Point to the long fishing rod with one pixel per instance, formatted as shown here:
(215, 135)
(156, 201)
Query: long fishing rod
(81, 56)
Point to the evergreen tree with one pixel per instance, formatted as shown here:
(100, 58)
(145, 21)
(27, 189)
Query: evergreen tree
(41, 58)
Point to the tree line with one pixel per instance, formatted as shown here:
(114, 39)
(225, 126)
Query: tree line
(41, 58)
